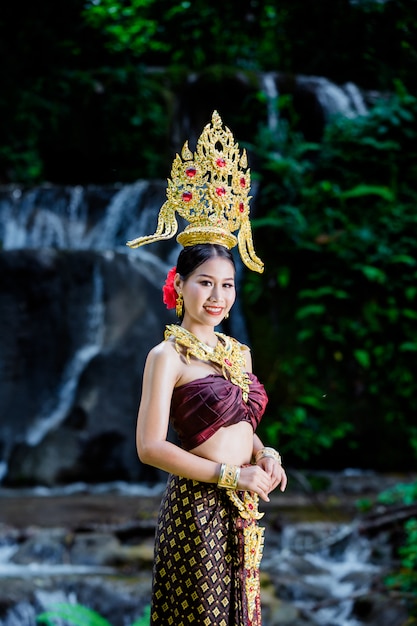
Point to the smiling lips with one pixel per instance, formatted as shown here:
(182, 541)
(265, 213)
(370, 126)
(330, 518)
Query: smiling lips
(213, 310)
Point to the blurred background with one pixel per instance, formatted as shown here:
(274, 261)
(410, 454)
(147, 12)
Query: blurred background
(97, 97)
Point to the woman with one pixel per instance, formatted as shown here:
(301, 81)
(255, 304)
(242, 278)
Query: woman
(208, 542)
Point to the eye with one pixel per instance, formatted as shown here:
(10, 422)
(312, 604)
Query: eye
(205, 283)
(228, 285)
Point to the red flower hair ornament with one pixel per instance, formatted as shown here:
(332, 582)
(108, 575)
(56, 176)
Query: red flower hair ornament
(168, 290)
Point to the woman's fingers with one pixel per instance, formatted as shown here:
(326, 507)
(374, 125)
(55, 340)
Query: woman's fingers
(282, 480)
(275, 471)
(254, 478)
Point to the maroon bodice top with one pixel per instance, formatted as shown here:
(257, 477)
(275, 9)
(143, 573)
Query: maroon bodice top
(199, 408)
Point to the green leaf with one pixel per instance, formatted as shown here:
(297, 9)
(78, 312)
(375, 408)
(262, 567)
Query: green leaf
(410, 293)
(145, 619)
(305, 334)
(386, 146)
(368, 190)
(410, 313)
(373, 273)
(403, 258)
(311, 309)
(313, 401)
(323, 291)
(363, 358)
(408, 346)
(283, 276)
(75, 614)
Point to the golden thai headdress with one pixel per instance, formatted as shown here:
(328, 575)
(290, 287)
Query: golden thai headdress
(210, 190)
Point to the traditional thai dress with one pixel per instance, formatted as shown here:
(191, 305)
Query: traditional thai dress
(208, 541)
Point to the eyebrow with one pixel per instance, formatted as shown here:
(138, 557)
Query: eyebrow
(208, 276)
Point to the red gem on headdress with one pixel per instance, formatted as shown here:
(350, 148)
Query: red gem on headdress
(187, 196)
(241, 207)
(191, 172)
(220, 162)
(243, 182)
(221, 191)
(229, 363)
(250, 505)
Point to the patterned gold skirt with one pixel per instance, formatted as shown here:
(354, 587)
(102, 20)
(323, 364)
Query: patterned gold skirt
(207, 554)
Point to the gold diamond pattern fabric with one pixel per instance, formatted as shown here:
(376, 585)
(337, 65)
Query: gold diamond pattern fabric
(198, 576)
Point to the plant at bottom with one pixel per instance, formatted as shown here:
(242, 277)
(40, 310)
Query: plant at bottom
(80, 615)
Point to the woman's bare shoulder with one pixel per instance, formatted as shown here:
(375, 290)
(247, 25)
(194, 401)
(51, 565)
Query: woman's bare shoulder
(163, 355)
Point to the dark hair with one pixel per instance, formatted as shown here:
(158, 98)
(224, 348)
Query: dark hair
(193, 256)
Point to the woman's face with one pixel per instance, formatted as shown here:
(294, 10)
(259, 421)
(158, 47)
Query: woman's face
(209, 291)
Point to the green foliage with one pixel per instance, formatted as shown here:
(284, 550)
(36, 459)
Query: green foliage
(403, 493)
(337, 301)
(193, 34)
(407, 577)
(265, 35)
(129, 26)
(85, 100)
(404, 580)
(79, 615)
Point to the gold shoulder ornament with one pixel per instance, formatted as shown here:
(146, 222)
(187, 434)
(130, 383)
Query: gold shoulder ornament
(210, 190)
(228, 354)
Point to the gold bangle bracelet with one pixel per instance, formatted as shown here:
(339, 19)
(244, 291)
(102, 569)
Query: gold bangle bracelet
(268, 452)
(228, 476)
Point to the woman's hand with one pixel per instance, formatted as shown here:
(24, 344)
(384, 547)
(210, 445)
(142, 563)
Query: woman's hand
(254, 478)
(275, 472)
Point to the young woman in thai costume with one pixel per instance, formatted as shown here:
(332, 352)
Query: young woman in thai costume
(208, 541)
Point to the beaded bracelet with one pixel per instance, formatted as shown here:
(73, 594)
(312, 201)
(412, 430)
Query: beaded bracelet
(229, 476)
(265, 452)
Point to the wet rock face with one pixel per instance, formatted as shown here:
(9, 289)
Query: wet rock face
(76, 327)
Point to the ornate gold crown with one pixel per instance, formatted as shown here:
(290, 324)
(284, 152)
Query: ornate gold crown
(210, 190)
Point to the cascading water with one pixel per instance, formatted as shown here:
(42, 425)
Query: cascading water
(335, 581)
(75, 219)
(270, 87)
(78, 218)
(57, 407)
(345, 100)
(332, 565)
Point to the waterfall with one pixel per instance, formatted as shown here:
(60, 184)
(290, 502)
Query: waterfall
(58, 405)
(334, 99)
(270, 87)
(326, 566)
(78, 218)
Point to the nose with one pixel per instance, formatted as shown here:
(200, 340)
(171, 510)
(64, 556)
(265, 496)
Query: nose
(215, 296)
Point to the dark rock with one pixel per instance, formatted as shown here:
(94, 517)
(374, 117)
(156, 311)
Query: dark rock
(380, 610)
(76, 329)
(94, 549)
(46, 547)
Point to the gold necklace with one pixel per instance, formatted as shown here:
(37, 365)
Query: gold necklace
(228, 353)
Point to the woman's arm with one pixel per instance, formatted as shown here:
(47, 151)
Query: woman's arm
(161, 372)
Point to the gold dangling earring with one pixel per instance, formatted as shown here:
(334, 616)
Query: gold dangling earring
(226, 317)
(179, 305)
